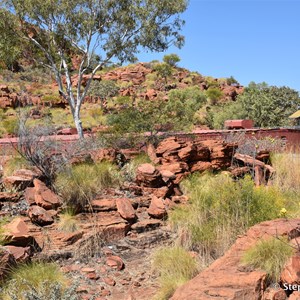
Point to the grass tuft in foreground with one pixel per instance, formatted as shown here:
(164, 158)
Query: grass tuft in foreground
(175, 266)
(37, 279)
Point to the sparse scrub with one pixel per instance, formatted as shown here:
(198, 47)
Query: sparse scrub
(287, 176)
(219, 210)
(81, 183)
(52, 98)
(10, 125)
(67, 221)
(269, 255)
(13, 164)
(35, 277)
(175, 266)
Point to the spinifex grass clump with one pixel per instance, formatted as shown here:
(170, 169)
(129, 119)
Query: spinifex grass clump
(219, 210)
(175, 266)
(270, 256)
(67, 221)
(38, 278)
(81, 183)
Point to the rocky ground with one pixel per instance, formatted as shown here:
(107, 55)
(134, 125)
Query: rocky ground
(109, 253)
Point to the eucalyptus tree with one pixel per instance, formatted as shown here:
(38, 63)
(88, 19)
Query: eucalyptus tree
(114, 29)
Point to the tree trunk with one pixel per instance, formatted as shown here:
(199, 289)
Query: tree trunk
(78, 124)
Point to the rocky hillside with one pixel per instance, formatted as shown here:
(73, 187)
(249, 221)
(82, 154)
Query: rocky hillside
(35, 91)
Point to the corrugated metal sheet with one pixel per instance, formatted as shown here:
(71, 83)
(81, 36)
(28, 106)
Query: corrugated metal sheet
(295, 115)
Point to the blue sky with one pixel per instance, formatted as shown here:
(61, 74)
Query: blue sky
(252, 40)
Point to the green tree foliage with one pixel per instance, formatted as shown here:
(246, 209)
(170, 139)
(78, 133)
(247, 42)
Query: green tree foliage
(152, 116)
(115, 29)
(171, 59)
(231, 80)
(10, 48)
(269, 106)
(229, 111)
(213, 94)
(164, 71)
(185, 102)
(103, 89)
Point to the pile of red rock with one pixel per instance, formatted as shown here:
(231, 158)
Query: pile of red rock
(8, 98)
(175, 158)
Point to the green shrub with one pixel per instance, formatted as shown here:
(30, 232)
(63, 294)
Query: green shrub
(175, 266)
(53, 98)
(219, 210)
(171, 59)
(213, 94)
(11, 125)
(269, 255)
(37, 276)
(83, 182)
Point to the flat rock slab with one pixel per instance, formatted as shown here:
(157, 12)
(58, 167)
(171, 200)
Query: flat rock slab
(225, 279)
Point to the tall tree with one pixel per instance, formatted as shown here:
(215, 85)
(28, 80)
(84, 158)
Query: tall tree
(115, 29)
(269, 106)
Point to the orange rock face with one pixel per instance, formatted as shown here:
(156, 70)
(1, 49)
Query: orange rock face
(226, 278)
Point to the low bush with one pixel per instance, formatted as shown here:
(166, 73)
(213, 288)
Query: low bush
(175, 266)
(270, 256)
(81, 183)
(219, 210)
(38, 278)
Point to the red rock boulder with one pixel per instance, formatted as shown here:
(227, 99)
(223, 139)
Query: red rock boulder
(157, 208)
(147, 175)
(44, 197)
(125, 209)
(7, 261)
(40, 216)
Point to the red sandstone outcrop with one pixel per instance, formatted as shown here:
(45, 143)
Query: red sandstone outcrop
(125, 209)
(226, 278)
(16, 233)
